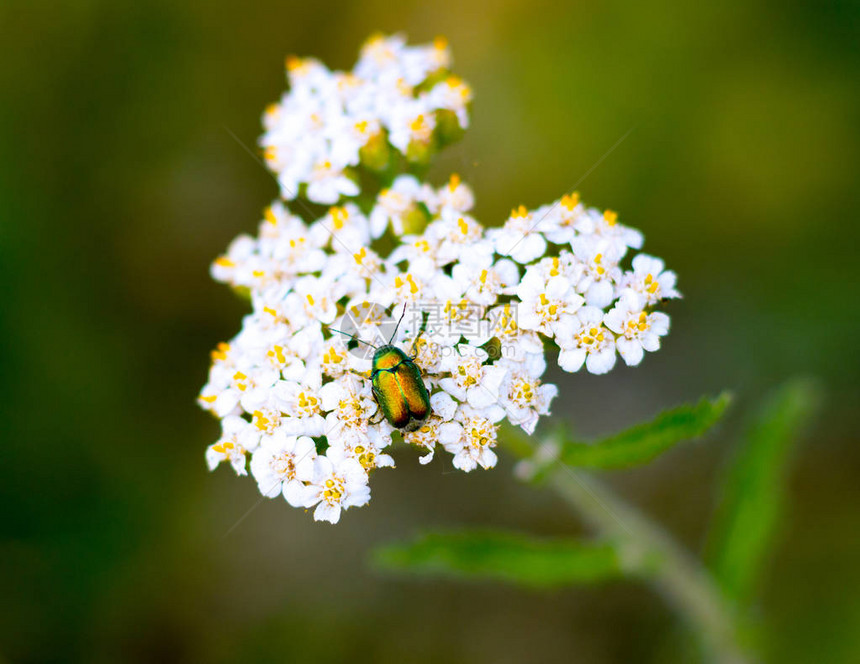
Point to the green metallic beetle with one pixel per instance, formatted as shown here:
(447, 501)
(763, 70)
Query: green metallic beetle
(397, 384)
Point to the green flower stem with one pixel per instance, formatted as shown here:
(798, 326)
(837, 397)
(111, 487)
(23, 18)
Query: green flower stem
(648, 552)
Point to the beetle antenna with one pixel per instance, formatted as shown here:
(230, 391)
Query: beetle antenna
(393, 334)
(352, 336)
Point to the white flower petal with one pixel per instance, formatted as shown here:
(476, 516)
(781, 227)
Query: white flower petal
(602, 362)
(571, 360)
(630, 350)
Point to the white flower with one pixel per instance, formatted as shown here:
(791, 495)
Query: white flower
(248, 389)
(336, 487)
(264, 423)
(619, 236)
(472, 381)
(343, 229)
(412, 123)
(456, 196)
(546, 304)
(566, 220)
(380, 54)
(458, 235)
(566, 265)
(283, 465)
(232, 267)
(373, 324)
(351, 407)
(229, 447)
(419, 252)
(453, 319)
(501, 322)
(483, 284)
(367, 450)
(426, 350)
(286, 240)
(348, 134)
(306, 75)
(519, 238)
(637, 329)
(327, 184)
(313, 301)
(650, 280)
(352, 272)
(454, 95)
(335, 358)
(601, 272)
(438, 428)
(301, 401)
(293, 164)
(524, 397)
(411, 287)
(475, 445)
(419, 62)
(283, 358)
(396, 202)
(588, 342)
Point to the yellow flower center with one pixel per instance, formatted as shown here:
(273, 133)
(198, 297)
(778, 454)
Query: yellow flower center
(339, 215)
(570, 201)
(277, 353)
(220, 352)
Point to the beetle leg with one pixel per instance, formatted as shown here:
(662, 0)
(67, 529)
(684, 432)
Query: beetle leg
(412, 353)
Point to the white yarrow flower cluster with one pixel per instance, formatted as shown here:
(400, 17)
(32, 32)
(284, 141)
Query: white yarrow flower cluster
(479, 305)
(328, 122)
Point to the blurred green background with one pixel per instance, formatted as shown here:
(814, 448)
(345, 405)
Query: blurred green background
(119, 184)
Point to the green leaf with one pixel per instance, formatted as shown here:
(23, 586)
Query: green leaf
(643, 442)
(510, 557)
(753, 489)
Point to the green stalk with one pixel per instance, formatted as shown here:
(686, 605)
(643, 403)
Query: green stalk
(648, 552)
